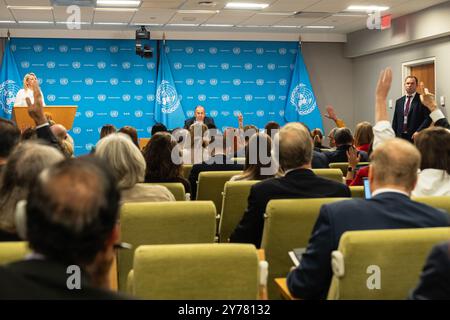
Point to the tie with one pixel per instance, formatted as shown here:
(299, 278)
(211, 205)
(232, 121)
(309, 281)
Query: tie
(405, 114)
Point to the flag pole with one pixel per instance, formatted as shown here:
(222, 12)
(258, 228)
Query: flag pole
(164, 38)
(8, 35)
(299, 42)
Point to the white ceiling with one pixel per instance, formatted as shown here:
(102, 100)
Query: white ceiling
(165, 15)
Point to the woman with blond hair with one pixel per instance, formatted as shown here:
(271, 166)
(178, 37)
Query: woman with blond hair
(27, 91)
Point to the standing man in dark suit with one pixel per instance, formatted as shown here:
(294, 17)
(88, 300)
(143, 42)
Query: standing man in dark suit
(71, 227)
(295, 154)
(410, 115)
(199, 117)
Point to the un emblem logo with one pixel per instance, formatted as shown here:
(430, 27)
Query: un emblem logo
(213, 82)
(281, 112)
(64, 81)
(89, 81)
(201, 66)
(271, 97)
(126, 65)
(225, 97)
(63, 48)
(237, 82)
(114, 113)
(271, 66)
(138, 81)
(213, 50)
(76, 97)
(51, 97)
(51, 64)
(101, 65)
(189, 50)
(88, 146)
(25, 64)
(76, 65)
(37, 48)
(150, 97)
(282, 51)
(282, 82)
(302, 99)
(167, 97)
(236, 113)
(201, 97)
(213, 113)
(259, 51)
(76, 130)
(248, 97)
(259, 82)
(114, 49)
(190, 82)
(177, 65)
(8, 92)
(190, 113)
(89, 114)
(126, 97)
(114, 81)
(260, 113)
(138, 113)
(248, 66)
(150, 66)
(225, 66)
(101, 97)
(236, 50)
(88, 49)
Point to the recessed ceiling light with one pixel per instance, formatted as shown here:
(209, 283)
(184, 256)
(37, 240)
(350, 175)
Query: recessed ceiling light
(37, 22)
(366, 8)
(275, 26)
(7, 21)
(182, 25)
(246, 5)
(29, 7)
(318, 27)
(119, 3)
(198, 11)
(217, 25)
(117, 9)
(111, 23)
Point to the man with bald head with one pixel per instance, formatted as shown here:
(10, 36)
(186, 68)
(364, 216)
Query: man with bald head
(392, 175)
(199, 117)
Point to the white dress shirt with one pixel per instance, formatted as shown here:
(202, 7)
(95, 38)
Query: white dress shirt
(22, 95)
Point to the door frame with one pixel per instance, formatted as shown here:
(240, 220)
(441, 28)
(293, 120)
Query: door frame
(406, 70)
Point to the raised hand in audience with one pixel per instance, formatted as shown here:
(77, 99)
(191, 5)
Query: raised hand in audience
(353, 157)
(36, 109)
(331, 114)
(241, 121)
(427, 98)
(381, 92)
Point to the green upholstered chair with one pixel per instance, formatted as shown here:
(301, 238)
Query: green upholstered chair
(357, 191)
(344, 165)
(163, 223)
(288, 225)
(438, 202)
(381, 264)
(13, 251)
(176, 188)
(210, 185)
(332, 174)
(235, 196)
(196, 271)
(186, 169)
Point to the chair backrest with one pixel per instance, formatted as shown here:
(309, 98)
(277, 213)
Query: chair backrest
(438, 202)
(344, 165)
(210, 185)
(288, 225)
(357, 191)
(13, 251)
(196, 271)
(163, 223)
(186, 169)
(381, 264)
(332, 174)
(235, 196)
(176, 188)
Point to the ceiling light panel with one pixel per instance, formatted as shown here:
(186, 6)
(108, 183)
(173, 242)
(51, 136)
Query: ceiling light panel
(246, 5)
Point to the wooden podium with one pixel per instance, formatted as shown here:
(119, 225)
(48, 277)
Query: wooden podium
(60, 114)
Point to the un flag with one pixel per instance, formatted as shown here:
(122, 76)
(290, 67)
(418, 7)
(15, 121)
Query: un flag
(301, 103)
(168, 109)
(10, 82)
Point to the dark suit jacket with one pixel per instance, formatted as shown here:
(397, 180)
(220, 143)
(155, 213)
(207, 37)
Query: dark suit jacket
(190, 121)
(390, 210)
(319, 160)
(435, 279)
(340, 155)
(217, 163)
(43, 279)
(418, 117)
(300, 183)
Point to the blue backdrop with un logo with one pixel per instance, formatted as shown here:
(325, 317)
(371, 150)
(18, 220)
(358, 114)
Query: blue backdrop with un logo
(110, 84)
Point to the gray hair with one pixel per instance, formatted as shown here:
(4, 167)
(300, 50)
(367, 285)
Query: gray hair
(295, 146)
(124, 157)
(24, 165)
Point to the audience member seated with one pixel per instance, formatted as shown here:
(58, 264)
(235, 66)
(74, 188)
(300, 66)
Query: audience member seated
(257, 159)
(295, 148)
(319, 160)
(271, 128)
(21, 171)
(64, 139)
(161, 167)
(196, 150)
(132, 133)
(71, 227)
(434, 281)
(128, 167)
(332, 143)
(9, 138)
(317, 136)
(158, 127)
(220, 160)
(344, 140)
(363, 136)
(106, 130)
(392, 176)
